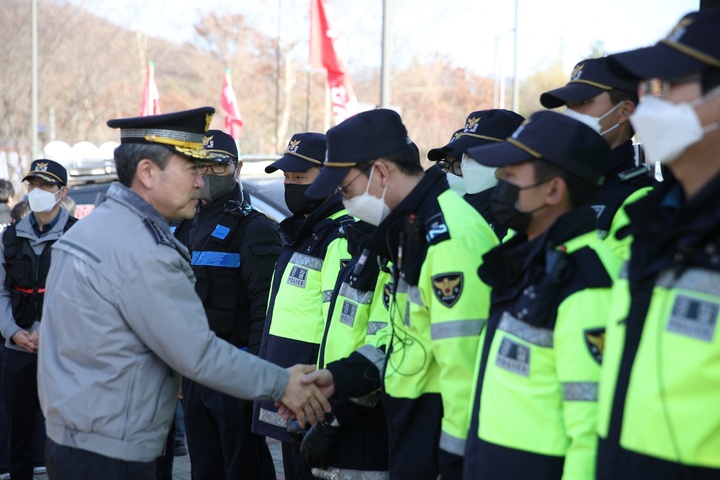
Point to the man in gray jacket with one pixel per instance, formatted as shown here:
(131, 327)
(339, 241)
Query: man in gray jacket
(122, 322)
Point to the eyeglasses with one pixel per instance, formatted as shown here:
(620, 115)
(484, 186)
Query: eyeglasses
(658, 87)
(215, 168)
(454, 167)
(343, 190)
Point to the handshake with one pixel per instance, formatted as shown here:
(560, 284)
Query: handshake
(306, 394)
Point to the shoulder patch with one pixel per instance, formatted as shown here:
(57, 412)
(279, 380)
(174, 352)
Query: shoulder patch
(595, 343)
(448, 287)
(436, 228)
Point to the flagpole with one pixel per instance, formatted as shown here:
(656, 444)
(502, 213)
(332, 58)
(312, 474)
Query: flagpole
(34, 106)
(151, 82)
(384, 69)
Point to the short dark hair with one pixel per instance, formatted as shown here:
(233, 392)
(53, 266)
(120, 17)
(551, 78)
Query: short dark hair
(6, 190)
(407, 160)
(617, 96)
(19, 211)
(580, 191)
(710, 79)
(128, 155)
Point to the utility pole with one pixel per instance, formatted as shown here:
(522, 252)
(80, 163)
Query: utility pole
(516, 80)
(34, 107)
(385, 67)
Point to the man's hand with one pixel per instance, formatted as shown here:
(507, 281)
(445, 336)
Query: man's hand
(304, 399)
(323, 379)
(26, 340)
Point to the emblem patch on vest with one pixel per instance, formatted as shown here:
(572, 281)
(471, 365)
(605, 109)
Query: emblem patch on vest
(349, 310)
(693, 317)
(387, 295)
(298, 276)
(448, 287)
(513, 357)
(595, 342)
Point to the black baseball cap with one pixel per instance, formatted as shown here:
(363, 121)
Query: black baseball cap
(481, 128)
(693, 45)
(182, 132)
(304, 151)
(589, 79)
(220, 146)
(361, 138)
(437, 154)
(555, 138)
(48, 171)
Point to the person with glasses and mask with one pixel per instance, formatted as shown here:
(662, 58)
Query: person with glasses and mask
(26, 252)
(604, 101)
(233, 252)
(659, 415)
(305, 275)
(483, 127)
(535, 403)
(432, 242)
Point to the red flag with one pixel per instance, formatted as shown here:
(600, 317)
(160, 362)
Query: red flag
(233, 120)
(324, 55)
(150, 104)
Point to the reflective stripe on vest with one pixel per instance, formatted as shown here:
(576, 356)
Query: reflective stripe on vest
(452, 444)
(580, 391)
(216, 259)
(333, 473)
(458, 328)
(313, 263)
(542, 337)
(273, 418)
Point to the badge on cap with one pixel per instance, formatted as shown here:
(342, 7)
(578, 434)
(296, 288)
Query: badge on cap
(577, 72)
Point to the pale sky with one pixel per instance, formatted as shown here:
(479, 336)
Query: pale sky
(465, 30)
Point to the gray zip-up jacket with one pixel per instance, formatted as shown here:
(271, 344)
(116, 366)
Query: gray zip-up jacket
(121, 324)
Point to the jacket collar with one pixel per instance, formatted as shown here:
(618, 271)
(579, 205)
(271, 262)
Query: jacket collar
(136, 203)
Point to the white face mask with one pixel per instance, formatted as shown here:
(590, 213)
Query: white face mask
(593, 122)
(667, 129)
(457, 184)
(41, 201)
(366, 207)
(477, 177)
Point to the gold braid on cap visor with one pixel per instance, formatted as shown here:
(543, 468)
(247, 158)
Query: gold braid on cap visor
(524, 147)
(311, 160)
(691, 52)
(592, 84)
(340, 164)
(482, 137)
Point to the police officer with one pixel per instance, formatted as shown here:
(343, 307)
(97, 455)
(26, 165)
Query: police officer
(233, 250)
(659, 415)
(7, 191)
(122, 321)
(26, 257)
(483, 127)
(535, 403)
(304, 278)
(604, 101)
(435, 241)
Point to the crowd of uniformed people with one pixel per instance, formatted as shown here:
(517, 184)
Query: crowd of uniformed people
(540, 304)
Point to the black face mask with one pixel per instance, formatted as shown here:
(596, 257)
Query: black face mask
(296, 200)
(503, 203)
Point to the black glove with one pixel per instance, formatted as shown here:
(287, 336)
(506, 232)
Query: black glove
(295, 430)
(318, 444)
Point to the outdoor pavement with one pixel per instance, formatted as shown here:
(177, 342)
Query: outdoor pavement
(181, 465)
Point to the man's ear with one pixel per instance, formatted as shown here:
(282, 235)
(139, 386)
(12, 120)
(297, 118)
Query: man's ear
(384, 169)
(145, 173)
(556, 192)
(238, 167)
(627, 109)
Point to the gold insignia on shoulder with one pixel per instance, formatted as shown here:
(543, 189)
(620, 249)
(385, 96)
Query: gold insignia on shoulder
(207, 140)
(293, 145)
(595, 343)
(577, 72)
(41, 166)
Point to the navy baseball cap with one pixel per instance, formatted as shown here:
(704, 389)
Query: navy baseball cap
(361, 138)
(556, 138)
(481, 128)
(589, 79)
(48, 171)
(304, 151)
(220, 146)
(437, 154)
(692, 46)
(182, 132)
